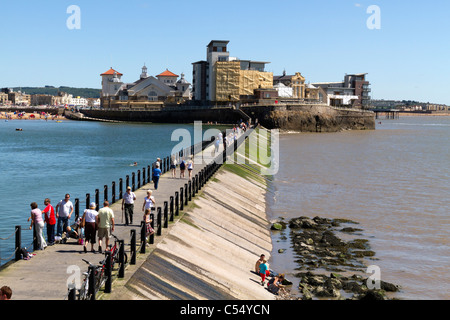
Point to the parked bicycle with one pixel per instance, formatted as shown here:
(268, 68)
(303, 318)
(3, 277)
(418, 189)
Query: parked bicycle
(99, 280)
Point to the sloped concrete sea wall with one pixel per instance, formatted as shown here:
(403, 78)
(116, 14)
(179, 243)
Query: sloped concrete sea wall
(211, 250)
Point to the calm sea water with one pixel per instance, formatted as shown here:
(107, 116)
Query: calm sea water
(49, 159)
(394, 181)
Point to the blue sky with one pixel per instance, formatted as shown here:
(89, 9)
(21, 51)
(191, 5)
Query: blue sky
(407, 58)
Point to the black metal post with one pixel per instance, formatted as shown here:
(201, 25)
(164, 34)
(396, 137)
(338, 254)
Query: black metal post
(166, 220)
(120, 188)
(190, 190)
(105, 192)
(113, 192)
(185, 194)
(171, 209)
(121, 259)
(77, 208)
(108, 272)
(152, 224)
(181, 198)
(97, 199)
(127, 181)
(177, 205)
(158, 217)
(133, 246)
(133, 177)
(139, 179)
(18, 242)
(88, 200)
(92, 282)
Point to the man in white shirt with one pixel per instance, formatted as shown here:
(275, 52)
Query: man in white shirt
(128, 204)
(64, 210)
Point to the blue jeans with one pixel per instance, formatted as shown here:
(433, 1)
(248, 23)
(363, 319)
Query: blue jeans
(63, 223)
(155, 181)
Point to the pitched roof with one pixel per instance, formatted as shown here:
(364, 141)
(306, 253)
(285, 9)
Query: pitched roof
(167, 73)
(111, 72)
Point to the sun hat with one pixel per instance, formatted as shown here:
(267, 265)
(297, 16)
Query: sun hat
(93, 205)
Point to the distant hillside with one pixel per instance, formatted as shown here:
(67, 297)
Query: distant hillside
(82, 92)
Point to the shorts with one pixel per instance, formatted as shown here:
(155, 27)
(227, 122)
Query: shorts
(104, 232)
(172, 166)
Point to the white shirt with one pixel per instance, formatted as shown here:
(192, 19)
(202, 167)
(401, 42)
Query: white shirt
(148, 202)
(89, 215)
(129, 198)
(64, 208)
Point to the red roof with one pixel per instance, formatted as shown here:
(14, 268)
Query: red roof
(167, 73)
(111, 72)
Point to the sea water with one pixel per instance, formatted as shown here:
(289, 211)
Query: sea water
(394, 181)
(50, 159)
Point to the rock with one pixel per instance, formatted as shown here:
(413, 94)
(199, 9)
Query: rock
(350, 229)
(277, 226)
(386, 286)
(372, 295)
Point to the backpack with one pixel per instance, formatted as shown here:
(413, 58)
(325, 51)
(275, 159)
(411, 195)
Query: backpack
(182, 165)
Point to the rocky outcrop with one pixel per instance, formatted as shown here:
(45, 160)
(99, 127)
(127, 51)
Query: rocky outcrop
(312, 118)
(319, 247)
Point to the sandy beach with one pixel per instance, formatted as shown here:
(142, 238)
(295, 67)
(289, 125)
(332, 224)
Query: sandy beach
(30, 116)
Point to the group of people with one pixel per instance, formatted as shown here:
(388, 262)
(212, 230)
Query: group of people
(189, 165)
(275, 284)
(54, 219)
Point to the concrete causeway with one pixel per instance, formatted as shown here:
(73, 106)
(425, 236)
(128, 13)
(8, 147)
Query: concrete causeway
(45, 276)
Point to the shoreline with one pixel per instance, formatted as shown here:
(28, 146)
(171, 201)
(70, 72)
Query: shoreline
(30, 116)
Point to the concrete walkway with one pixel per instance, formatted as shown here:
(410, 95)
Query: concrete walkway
(45, 276)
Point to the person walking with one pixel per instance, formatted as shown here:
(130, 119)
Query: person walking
(263, 268)
(36, 219)
(128, 205)
(105, 225)
(64, 210)
(173, 166)
(190, 167)
(148, 227)
(50, 220)
(149, 201)
(156, 175)
(182, 168)
(90, 221)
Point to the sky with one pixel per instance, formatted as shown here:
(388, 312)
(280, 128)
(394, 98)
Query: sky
(403, 46)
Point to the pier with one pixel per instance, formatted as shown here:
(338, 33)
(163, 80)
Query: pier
(389, 113)
(46, 275)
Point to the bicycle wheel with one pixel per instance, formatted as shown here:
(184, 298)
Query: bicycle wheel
(84, 290)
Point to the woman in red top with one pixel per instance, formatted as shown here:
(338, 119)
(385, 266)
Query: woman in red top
(50, 220)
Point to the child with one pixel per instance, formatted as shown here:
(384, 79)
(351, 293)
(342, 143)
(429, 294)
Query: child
(148, 228)
(263, 271)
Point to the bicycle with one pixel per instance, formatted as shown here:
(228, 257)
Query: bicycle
(115, 253)
(99, 280)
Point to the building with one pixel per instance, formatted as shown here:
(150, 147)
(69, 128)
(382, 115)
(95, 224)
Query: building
(4, 98)
(222, 78)
(145, 92)
(352, 92)
(44, 99)
(19, 98)
(296, 82)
